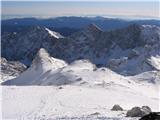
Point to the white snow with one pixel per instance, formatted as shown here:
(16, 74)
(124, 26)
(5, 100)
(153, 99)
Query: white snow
(148, 26)
(155, 61)
(39, 102)
(5, 77)
(43, 61)
(97, 91)
(54, 34)
(78, 91)
(40, 69)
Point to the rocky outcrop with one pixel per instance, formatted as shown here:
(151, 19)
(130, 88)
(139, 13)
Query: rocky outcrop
(114, 63)
(11, 69)
(151, 116)
(134, 53)
(117, 108)
(138, 112)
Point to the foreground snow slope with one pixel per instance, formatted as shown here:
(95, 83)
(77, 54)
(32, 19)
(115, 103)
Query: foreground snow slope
(51, 102)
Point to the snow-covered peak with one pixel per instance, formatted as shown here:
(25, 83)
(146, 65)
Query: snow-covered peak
(41, 67)
(54, 34)
(43, 61)
(42, 52)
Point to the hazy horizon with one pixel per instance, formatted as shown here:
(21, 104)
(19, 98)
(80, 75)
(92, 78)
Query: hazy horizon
(48, 9)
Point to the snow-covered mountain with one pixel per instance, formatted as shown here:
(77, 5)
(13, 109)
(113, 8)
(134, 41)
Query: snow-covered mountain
(78, 89)
(126, 51)
(46, 70)
(39, 70)
(82, 75)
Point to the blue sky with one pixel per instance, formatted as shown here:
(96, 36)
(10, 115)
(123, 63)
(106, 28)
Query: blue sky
(81, 8)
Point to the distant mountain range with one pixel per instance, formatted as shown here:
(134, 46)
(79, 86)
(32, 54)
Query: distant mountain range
(68, 25)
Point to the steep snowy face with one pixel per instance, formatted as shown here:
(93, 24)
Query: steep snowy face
(43, 61)
(54, 34)
(39, 70)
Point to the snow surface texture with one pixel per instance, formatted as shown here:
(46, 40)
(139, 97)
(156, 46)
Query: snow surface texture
(155, 61)
(79, 90)
(45, 102)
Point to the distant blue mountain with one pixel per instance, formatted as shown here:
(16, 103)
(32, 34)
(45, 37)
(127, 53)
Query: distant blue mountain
(68, 25)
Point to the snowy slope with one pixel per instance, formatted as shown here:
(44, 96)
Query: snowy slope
(42, 102)
(54, 34)
(155, 61)
(79, 90)
(46, 70)
(150, 77)
(40, 68)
